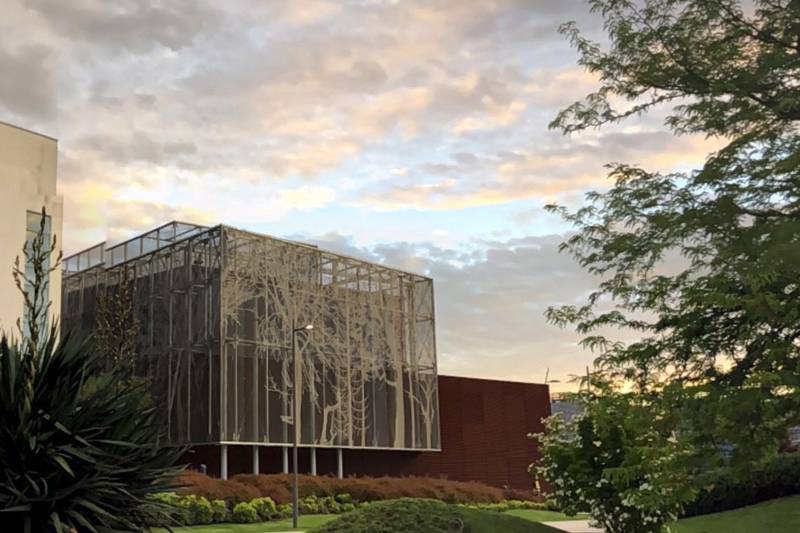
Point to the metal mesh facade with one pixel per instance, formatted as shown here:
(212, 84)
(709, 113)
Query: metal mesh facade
(216, 310)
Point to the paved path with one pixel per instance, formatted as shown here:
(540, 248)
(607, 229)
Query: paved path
(574, 526)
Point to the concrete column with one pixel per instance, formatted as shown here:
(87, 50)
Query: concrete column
(223, 461)
(313, 461)
(285, 460)
(339, 463)
(255, 460)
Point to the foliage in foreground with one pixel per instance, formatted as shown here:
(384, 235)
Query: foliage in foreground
(412, 515)
(701, 266)
(618, 462)
(77, 448)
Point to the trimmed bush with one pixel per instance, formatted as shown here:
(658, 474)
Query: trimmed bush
(284, 510)
(245, 487)
(265, 508)
(419, 515)
(219, 511)
(727, 489)
(406, 514)
(232, 492)
(197, 510)
(244, 513)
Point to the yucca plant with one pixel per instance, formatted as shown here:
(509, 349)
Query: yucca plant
(80, 447)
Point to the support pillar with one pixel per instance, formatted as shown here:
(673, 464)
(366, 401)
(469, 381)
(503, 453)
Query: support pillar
(285, 460)
(223, 461)
(313, 461)
(255, 460)
(339, 463)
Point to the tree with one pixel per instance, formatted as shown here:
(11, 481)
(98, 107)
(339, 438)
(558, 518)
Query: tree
(719, 331)
(619, 461)
(78, 451)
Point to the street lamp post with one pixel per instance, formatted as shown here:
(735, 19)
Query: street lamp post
(295, 421)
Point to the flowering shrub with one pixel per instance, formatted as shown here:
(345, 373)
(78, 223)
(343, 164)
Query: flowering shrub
(619, 463)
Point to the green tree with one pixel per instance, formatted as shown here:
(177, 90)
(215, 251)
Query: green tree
(719, 332)
(78, 451)
(619, 461)
(703, 266)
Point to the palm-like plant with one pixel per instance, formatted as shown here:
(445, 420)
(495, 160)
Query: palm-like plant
(80, 449)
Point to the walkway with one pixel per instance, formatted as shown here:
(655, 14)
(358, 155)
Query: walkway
(574, 526)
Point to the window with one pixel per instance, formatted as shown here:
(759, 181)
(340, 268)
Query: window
(32, 225)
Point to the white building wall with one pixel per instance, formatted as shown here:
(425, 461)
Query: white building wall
(28, 164)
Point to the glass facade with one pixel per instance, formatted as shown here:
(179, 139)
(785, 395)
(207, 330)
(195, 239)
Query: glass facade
(216, 310)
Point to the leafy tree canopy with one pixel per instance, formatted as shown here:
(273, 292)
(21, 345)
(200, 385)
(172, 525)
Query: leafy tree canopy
(719, 332)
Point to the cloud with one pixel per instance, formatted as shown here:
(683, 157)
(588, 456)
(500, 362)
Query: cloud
(428, 116)
(26, 85)
(490, 302)
(129, 24)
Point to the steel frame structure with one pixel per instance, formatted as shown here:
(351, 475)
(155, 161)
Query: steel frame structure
(216, 308)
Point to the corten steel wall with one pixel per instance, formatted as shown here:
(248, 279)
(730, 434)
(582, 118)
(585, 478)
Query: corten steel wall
(484, 427)
(216, 309)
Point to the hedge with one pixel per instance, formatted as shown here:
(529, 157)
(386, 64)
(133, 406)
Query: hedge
(420, 515)
(246, 487)
(727, 489)
(192, 510)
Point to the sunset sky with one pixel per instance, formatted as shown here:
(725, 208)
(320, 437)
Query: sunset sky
(412, 133)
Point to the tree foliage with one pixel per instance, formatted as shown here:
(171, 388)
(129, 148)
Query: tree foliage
(703, 265)
(619, 461)
(78, 452)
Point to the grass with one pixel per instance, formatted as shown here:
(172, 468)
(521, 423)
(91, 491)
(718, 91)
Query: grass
(776, 516)
(306, 522)
(476, 521)
(516, 521)
(543, 516)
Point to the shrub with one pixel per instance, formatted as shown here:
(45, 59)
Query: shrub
(229, 490)
(244, 513)
(80, 448)
(197, 510)
(219, 511)
(728, 489)
(309, 505)
(344, 497)
(405, 514)
(284, 510)
(245, 487)
(419, 515)
(265, 508)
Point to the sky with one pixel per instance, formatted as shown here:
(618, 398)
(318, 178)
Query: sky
(412, 133)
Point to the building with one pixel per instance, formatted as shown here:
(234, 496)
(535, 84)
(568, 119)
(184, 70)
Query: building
(28, 176)
(216, 310)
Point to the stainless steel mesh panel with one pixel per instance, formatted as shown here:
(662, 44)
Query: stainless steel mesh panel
(216, 310)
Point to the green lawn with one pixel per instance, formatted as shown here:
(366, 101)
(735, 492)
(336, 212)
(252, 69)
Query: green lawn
(493, 522)
(776, 516)
(542, 516)
(306, 522)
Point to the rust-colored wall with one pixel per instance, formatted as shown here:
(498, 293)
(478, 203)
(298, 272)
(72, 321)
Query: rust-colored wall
(484, 427)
